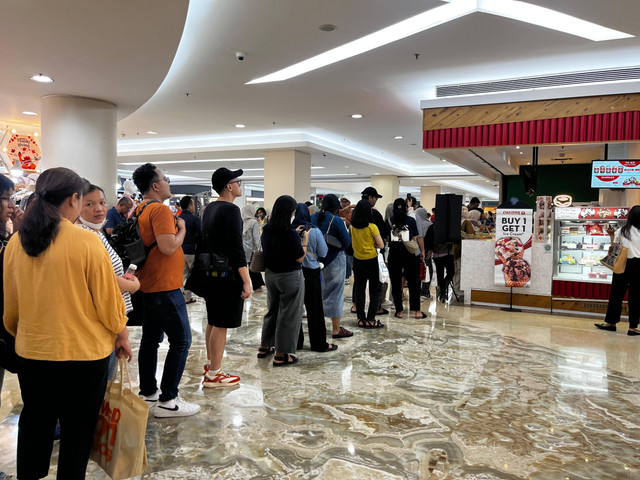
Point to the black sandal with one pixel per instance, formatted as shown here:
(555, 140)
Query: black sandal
(362, 323)
(353, 310)
(288, 359)
(375, 324)
(265, 352)
(423, 315)
(399, 315)
(331, 348)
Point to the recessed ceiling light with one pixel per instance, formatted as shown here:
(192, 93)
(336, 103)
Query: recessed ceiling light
(13, 130)
(398, 137)
(443, 160)
(357, 115)
(517, 147)
(4, 149)
(151, 132)
(32, 114)
(35, 134)
(42, 78)
(239, 125)
(327, 27)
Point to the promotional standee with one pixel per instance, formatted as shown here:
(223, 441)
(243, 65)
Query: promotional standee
(513, 247)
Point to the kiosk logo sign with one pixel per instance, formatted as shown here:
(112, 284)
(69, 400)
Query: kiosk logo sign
(514, 229)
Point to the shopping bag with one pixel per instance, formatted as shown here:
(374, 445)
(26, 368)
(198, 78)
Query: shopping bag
(383, 271)
(616, 259)
(118, 443)
(258, 263)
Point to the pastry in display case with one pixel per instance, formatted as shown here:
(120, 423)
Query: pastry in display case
(543, 220)
(582, 240)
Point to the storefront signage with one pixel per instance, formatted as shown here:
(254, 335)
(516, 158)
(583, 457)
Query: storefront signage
(615, 174)
(592, 213)
(23, 150)
(514, 228)
(562, 201)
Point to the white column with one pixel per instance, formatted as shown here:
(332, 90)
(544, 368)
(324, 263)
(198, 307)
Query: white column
(80, 134)
(286, 172)
(389, 187)
(428, 197)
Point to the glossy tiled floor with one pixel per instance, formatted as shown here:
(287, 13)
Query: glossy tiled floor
(469, 393)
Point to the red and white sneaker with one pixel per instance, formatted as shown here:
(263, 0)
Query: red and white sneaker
(206, 368)
(221, 379)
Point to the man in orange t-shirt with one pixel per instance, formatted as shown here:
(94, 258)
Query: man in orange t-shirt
(165, 308)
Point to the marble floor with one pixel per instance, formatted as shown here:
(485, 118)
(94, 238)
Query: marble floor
(469, 393)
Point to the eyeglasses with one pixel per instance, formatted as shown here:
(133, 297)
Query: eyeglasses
(239, 182)
(165, 178)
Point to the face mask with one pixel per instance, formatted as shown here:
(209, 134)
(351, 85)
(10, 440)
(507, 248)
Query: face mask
(95, 226)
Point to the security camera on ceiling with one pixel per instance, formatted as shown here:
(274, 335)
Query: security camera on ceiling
(240, 56)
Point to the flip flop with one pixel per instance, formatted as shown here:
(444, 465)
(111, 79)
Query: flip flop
(399, 315)
(331, 348)
(423, 315)
(343, 333)
(353, 310)
(288, 359)
(383, 312)
(265, 352)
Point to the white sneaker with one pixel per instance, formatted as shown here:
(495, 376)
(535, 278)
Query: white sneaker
(175, 408)
(152, 400)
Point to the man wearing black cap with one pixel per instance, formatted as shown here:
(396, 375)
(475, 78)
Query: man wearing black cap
(372, 195)
(222, 235)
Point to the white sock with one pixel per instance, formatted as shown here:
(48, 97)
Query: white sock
(212, 374)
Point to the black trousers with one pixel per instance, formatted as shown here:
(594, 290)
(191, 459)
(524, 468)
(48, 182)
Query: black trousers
(72, 393)
(256, 280)
(620, 283)
(442, 264)
(315, 311)
(402, 263)
(366, 271)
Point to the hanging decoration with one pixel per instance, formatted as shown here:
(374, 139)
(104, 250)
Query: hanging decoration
(24, 152)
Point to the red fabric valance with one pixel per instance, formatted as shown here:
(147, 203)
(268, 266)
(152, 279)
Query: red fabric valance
(581, 290)
(602, 127)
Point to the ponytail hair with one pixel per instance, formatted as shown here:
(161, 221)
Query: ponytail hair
(399, 213)
(41, 221)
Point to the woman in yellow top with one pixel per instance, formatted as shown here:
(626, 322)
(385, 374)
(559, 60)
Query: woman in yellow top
(365, 239)
(64, 308)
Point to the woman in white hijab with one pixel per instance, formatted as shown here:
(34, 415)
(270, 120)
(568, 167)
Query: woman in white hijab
(251, 242)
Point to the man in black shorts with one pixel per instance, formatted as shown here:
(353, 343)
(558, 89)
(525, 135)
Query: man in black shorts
(222, 234)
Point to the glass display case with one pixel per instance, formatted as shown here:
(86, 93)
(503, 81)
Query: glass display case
(581, 240)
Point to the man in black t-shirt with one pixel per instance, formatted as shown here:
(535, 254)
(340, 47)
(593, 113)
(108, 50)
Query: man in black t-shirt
(222, 234)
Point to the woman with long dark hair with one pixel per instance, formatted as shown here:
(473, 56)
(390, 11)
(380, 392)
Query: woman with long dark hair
(335, 263)
(402, 263)
(316, 248)
(284, 252)
(66, 332)
(628, 236)
(365, 240)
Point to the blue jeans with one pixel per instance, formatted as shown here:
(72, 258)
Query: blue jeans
(166, 312)
(349, 266)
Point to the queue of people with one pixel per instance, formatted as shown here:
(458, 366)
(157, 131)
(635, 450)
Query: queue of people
(86, 306)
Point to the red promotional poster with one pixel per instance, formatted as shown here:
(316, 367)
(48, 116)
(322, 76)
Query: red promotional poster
(23, 150)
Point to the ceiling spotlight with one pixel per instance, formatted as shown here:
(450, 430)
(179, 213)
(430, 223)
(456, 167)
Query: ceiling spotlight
(4, 149)
(398, 137)
(32, 114)
(42, 78)
(35, 134)
(357, 115)
(13, 130)
(239, 125)
(517, 147)
(151, 132)
(327, 27)
(443, 160)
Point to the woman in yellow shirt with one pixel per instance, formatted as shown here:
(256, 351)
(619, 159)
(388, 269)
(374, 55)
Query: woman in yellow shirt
(365, 239)
(64, 308)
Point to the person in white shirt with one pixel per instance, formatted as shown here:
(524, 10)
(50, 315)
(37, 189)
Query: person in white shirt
(628, 236)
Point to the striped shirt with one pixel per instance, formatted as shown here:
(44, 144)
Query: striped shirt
(116, 262)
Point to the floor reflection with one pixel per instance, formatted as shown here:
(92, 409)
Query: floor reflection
(468, 393)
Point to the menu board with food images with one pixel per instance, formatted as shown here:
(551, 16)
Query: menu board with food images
(513, 247)
(615, 174)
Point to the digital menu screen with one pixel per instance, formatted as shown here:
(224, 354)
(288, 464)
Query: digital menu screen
(615, 174)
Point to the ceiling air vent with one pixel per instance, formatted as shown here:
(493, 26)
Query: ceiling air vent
(565, 79)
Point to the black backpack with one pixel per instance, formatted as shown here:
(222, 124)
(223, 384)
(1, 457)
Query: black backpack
(127, 242)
